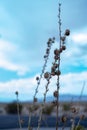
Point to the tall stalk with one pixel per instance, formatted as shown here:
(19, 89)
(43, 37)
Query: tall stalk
(46, 57)
(48, 77)
(18, 112)
(58, 84)
(55, 69)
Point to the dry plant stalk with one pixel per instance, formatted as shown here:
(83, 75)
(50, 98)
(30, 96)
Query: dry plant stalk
(55, 71)
(19, 119)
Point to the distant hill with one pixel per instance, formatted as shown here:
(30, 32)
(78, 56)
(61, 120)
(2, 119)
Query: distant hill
(62, 98)
(68, 97)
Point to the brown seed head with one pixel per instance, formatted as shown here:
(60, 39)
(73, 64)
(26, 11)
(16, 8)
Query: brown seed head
(63, 38)
(60, 50)
(37, 78)
(64, 119)
(55, 94)
(63, 47)
(58, 72)
(46, 75)
(56, 51)
(73, 109)
(67, 32)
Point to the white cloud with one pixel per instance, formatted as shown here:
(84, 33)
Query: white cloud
(72, 83)
(25, 87)
(10, 58)
(69, 83)
(76, 52)
(79, 36)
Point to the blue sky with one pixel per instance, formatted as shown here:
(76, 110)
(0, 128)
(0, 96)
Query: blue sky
(25, 26)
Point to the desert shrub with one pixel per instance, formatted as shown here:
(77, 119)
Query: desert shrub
(12, 108)
(79, 127)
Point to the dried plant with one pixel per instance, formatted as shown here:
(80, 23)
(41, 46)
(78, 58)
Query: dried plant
(54, 71)
(19, 119)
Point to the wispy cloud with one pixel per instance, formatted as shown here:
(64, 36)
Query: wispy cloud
(80, 36)
(69, 83)
(9, 58)
(72, 83)
(24, 32)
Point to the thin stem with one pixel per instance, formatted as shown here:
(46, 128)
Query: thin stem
(50, 41)
(29, 120)
(58, 85)
(18, 114)
(40, 117)
(44, 67)
(73, 124)
(44, 100)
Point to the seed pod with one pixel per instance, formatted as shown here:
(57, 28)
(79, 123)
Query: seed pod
(47, 50)
(56, 57)
(63, 47)
(56, 51)
(54, 102)
(53, 73)
(46, 75)
(58, 72)
(55, 64)
(53, 41)
(73, 109)
(48, 43)
(55, 94)
(64, 119)
(63, 38)
(67, 32)
(53, 69)
(60, 50)
(37, 78)
(45, 56)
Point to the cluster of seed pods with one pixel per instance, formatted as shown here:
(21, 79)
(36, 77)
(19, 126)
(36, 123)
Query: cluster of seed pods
(55, 66)
(55, 69)
(46, 57)
(46, 75)
(74, 111)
